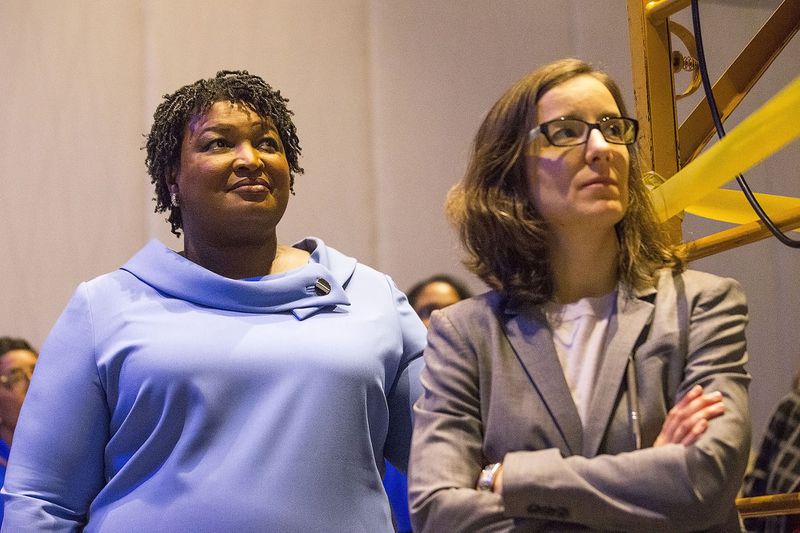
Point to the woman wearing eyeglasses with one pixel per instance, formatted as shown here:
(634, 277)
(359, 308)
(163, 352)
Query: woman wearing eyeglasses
(598, 385)
(17, 359)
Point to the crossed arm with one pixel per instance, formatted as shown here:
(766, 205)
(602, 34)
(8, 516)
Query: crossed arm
(686, 477)
(685, 422)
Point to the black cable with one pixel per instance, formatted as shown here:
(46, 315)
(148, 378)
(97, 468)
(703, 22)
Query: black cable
(712, 104)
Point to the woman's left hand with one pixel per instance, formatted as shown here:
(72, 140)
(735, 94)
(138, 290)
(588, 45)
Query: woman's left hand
(688, 419)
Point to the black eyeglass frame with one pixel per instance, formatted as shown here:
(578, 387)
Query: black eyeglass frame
(543, 128)
(14, 376)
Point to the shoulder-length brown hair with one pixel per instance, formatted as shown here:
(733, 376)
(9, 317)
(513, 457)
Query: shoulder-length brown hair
(504, 236)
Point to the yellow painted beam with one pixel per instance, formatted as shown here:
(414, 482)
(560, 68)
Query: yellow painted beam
(740, 235)
(653, 87)
(739, 78)
(760, 135)
(771, 505)
(659, 10)
(728, 205)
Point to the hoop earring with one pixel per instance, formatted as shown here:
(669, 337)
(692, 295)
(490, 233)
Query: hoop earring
(173, 199)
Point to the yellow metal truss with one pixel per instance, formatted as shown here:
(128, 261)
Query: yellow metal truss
(665, 145)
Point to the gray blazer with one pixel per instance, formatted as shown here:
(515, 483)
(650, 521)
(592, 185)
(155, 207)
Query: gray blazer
(495, 392)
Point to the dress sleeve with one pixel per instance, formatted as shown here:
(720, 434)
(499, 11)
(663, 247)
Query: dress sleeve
(56, 466)
(406, 388)
(671, 487)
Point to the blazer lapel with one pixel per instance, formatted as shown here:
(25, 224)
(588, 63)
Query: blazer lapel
(533, 344)
(624, 332)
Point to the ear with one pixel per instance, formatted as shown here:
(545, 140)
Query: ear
(172, 181)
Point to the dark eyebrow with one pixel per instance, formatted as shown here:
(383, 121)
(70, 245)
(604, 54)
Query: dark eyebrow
(264, 125)
(570, 116)
(215, 129)
(573, 116)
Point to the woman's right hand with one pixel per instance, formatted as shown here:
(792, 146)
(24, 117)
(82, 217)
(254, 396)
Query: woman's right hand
(688, 419)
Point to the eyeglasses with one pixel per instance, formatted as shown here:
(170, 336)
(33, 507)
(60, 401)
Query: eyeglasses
(15, 376)
(574, 131)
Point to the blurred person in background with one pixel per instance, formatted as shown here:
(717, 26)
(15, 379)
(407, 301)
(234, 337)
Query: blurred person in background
(777, 465)
(426, 296)
(436, 292)
(17, 359)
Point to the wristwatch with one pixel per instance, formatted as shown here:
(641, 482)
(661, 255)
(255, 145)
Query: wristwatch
(486, 479)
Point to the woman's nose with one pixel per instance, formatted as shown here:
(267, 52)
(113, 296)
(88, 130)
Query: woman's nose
(596, 145)
(247, 157)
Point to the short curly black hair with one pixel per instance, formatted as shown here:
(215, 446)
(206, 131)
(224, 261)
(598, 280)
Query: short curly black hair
(8, 344)
(461, 289)
(174, 113)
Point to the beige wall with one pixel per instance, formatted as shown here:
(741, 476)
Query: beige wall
(387, 95)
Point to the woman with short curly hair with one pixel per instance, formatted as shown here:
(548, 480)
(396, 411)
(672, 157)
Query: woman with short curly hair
(240, 384)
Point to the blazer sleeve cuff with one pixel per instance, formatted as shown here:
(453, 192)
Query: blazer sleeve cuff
(520, 497)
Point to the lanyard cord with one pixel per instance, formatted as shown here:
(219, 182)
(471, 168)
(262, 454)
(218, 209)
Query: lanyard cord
(633, 401)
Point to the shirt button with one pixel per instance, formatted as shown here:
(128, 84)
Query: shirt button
(322, 287)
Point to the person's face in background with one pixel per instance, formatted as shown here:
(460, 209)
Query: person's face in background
(435, 295)
(16, 368)
(583, 186)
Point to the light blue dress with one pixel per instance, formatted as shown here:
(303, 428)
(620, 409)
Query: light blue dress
(168, 398)
(4, 449)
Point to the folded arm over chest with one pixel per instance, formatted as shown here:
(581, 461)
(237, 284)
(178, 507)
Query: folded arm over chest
(673, 486)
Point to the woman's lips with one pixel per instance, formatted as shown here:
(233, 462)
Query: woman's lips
(251, 186)
(607, 182)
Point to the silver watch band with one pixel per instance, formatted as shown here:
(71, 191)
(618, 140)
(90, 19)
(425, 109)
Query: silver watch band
(486, 478)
